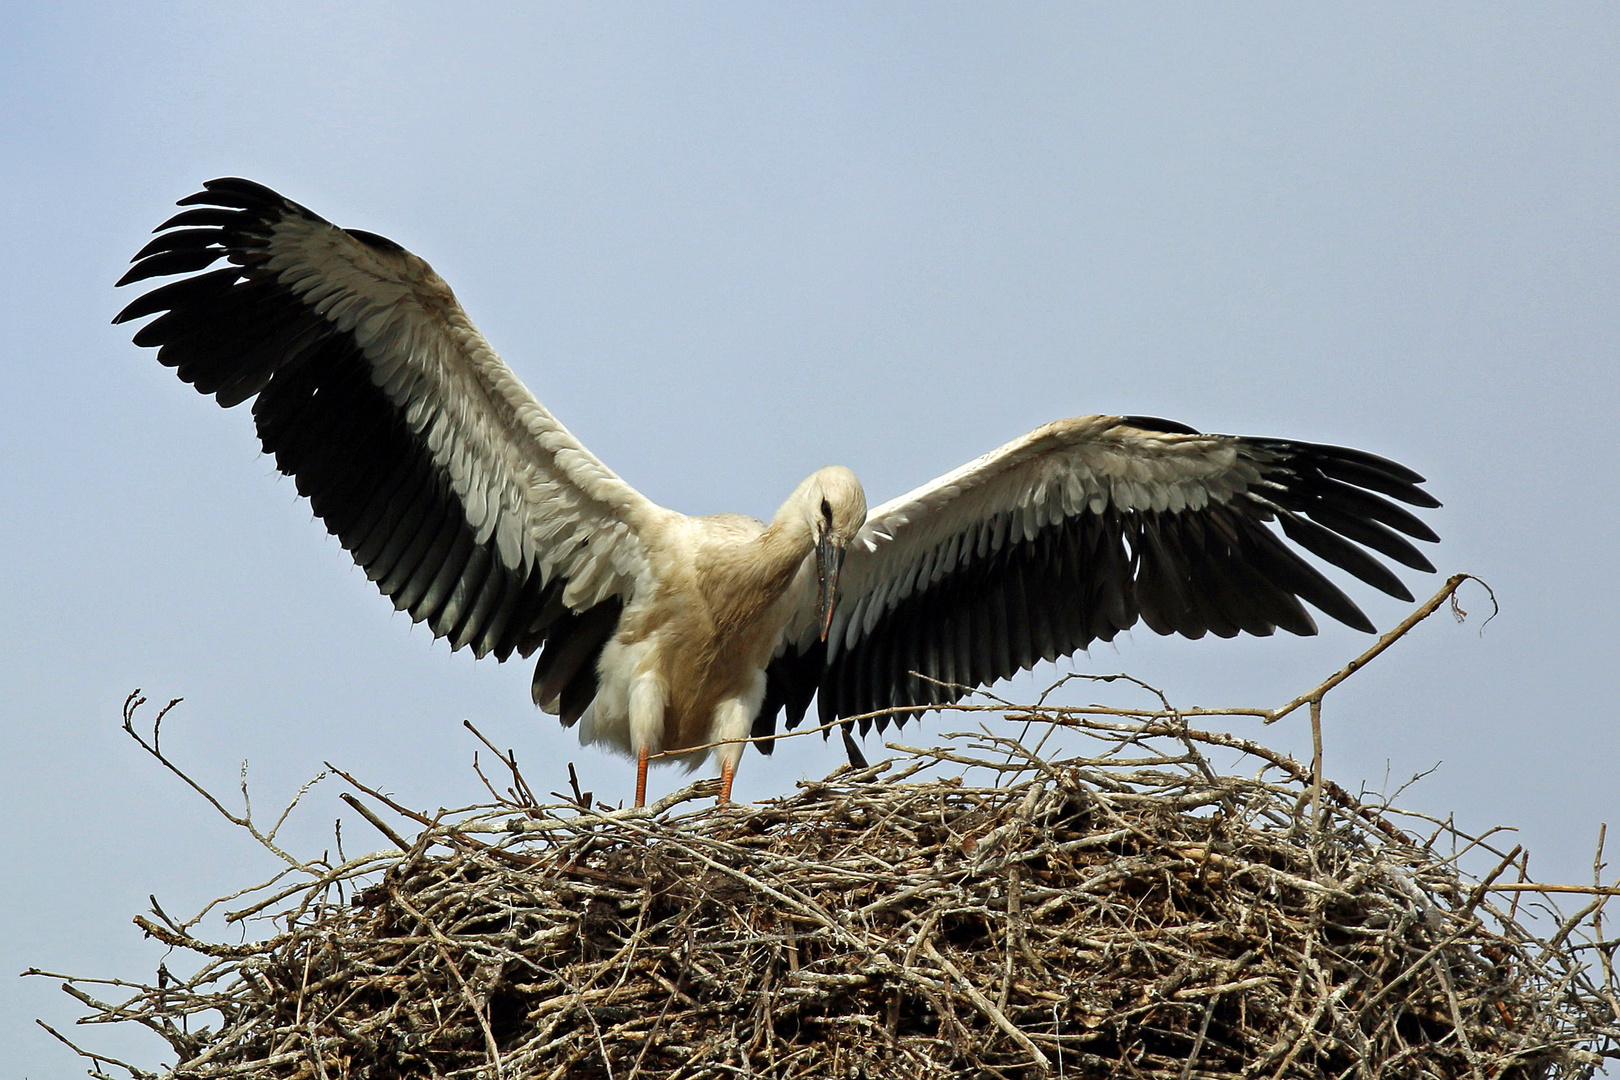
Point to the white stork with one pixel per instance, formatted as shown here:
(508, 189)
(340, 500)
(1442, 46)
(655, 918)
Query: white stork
(474, 510)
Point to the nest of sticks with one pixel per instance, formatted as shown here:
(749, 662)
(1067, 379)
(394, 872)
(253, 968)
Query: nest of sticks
(1131, 911)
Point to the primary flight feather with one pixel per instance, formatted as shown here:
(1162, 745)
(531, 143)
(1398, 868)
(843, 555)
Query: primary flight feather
(477, 512)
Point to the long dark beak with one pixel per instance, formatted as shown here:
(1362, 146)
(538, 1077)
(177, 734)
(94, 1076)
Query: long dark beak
(829, 560)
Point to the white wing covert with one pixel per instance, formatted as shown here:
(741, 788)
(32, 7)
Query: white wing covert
(455, 490)
(1075, 531)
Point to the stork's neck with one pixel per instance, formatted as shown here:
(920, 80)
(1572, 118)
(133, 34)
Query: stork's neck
(783, 546)
(744, 582)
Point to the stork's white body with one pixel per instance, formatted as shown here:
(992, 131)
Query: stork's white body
(684, 672)
(686, 667)
(477, 512)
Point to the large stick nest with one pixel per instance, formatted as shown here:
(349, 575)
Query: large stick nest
(1132, 913)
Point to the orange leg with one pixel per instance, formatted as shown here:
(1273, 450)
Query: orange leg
(728, 773)
(641, 777)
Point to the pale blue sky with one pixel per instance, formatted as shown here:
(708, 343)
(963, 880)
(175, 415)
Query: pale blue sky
(727, 244)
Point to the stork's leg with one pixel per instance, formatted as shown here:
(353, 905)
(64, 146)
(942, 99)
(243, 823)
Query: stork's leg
(646, 726)
(732, 720)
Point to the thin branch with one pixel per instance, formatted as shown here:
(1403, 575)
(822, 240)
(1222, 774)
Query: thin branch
(1424, 610)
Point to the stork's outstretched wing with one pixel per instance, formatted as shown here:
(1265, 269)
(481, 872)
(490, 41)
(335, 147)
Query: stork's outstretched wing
(458, 493)
(1073, 532)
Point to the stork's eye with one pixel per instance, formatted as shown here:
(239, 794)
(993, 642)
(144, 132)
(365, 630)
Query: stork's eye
(826, 512)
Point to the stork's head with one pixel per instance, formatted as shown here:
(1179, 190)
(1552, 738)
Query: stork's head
(833, 504)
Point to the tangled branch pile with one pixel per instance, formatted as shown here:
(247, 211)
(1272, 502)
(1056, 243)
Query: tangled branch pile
(1128, 913)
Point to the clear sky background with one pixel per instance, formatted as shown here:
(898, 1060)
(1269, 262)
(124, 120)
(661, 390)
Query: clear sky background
(728, 244)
